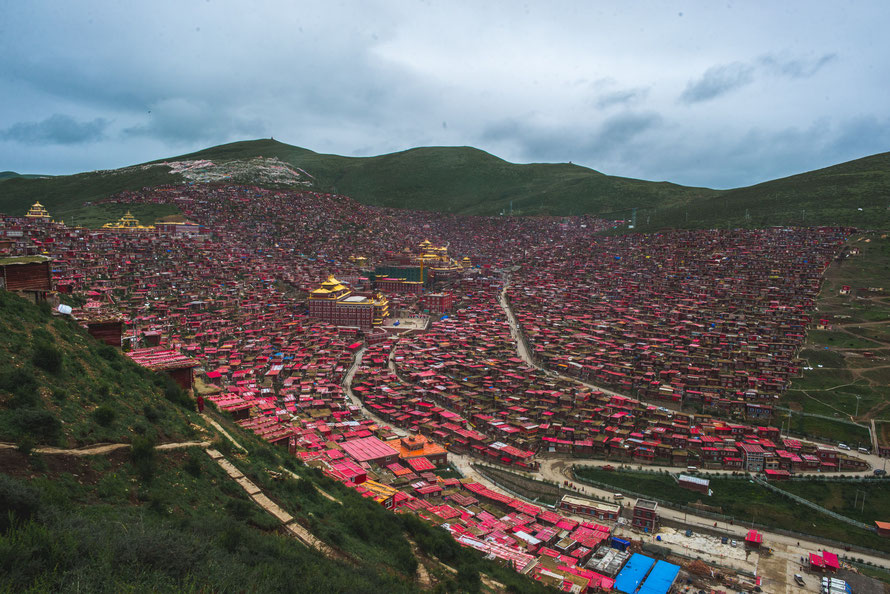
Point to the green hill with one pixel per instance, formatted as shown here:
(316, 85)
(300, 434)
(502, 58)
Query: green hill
(830, 196)
(4, 175)
(141, 518)
(464, 180)
(469, 181)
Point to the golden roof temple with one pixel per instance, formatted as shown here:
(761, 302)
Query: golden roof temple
(336, 303)
(330, 289)
(38, 212)
(128, 221)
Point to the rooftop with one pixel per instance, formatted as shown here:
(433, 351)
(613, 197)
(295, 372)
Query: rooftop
(367, 449)
(646, 504)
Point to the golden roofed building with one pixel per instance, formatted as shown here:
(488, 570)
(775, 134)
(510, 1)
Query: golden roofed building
(37, 212)
(335, 303)
(128, 222)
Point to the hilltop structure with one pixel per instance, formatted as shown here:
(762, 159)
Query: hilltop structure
(129, 223)
(38, 212)
(335, 303)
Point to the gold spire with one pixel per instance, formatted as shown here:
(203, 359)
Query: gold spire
(37, 211)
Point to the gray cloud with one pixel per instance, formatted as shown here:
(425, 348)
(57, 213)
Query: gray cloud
(622, 97)
(795, 67)
(56, 129)
(181, 120)
(864, 135)
(721, 79)
(614, 136)
(365, 78)
(718, 80)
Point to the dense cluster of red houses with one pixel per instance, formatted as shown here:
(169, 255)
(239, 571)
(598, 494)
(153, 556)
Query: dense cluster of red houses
(714, 317)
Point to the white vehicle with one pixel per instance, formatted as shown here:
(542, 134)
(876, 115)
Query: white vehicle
(843, 446)
(863, 451)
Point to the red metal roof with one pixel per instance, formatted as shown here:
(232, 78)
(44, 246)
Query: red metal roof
(367, 449)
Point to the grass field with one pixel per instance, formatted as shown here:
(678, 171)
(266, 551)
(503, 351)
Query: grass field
(865, 502)
(850, 361)
(744, 500)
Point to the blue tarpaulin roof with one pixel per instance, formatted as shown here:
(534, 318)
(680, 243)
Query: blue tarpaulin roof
(661, 578)
(633, 573)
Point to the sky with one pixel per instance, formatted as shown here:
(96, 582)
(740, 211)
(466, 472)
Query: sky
(711, 93)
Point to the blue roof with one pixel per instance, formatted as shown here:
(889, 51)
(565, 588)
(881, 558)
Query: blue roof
(633, 573)
(661, 578)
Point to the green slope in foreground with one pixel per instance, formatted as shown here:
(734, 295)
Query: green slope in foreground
(469, 181)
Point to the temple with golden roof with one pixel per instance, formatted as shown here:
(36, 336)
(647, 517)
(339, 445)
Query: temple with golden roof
(335, 303)
(128, 222)
(37, 212)
(411, 269)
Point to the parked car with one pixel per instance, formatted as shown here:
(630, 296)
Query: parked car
(843, 446)
(733, 543)
(880, 472)
(864, 451)
(799, 579)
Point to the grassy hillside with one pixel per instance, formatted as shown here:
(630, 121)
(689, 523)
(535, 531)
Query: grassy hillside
(470, 181)
(141, 519)
(60, 387)
(64, 195)
(465, 180)
(832, 195)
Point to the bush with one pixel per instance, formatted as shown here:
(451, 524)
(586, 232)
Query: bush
(151, 414)
(47, 357)
(108, 352)
(19, 501)
(193, 465)
(175, 394)
(16, 380)
(25, 445)
(41, 425)
(239, 508)
(104, 415)
(142, 455)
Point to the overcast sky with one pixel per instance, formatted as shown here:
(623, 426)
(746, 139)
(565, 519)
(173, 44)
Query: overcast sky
(709, 93)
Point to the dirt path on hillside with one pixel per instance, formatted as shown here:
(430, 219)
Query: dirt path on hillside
(98, 449)
(289, 523)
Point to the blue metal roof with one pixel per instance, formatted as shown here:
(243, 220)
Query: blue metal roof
(633, 573)
(660, 579)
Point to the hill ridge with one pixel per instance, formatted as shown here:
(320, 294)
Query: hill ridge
(469, 180)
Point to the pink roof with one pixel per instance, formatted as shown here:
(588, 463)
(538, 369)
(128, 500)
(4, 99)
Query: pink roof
(420, 464)
(367, 449)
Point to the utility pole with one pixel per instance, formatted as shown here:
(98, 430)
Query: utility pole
(857, 406)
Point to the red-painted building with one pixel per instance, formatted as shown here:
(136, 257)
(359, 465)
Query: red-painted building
(437, 303)
(336, 304)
